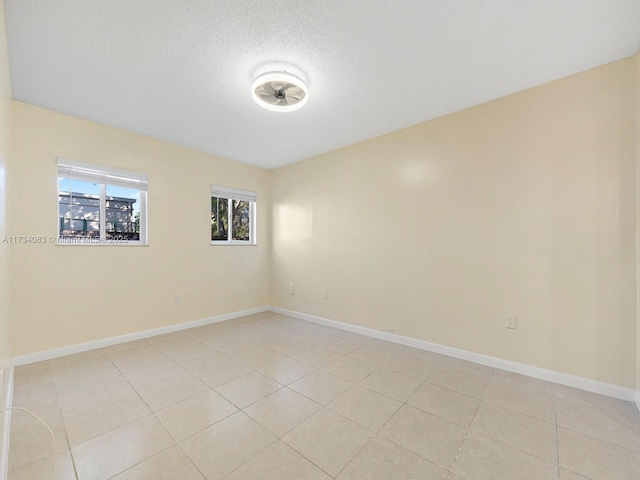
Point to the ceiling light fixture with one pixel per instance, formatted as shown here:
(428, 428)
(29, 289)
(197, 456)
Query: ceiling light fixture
(280, 91)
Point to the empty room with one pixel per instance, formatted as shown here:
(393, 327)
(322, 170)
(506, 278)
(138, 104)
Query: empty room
(300, 240)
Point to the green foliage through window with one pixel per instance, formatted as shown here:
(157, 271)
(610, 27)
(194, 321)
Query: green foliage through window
(231, 220)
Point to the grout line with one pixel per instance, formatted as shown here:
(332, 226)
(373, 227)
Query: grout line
(455, 459)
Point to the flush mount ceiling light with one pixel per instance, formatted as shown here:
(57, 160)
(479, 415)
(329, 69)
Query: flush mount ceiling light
(280, 91)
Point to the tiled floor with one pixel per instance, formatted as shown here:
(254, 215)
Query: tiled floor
(272, 397)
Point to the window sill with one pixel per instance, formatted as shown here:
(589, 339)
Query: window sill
(241, 244)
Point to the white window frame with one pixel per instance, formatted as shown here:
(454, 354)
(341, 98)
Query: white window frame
(103, 176)
(237, 194)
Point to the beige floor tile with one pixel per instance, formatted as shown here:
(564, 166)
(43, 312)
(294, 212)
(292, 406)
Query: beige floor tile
(246, 390)
(213, 338)
(34, 392)
(427, 356)
(112, 453)
(48, 411)
(185, 418)
(569, 475)
(287, 371)
(90, 361)
(34, 372)
(365, 407)
(226, 445)
(381, 459)
(355, 337)
(170, 340)
(173, 390)
(431, 437)
(594, 400)
(93, 395)
(34, 443)
(522, 381)
(290, 346)
(391, 384)
(374, 355)
(525, 433)
(77, 358)
(132, 362)
(510, 432)
(59, 467)
(317, 356)
(350, 369)
(341, 345)
(316, 337)
(384, 344)
(223, 372)
(236, 346)
(484, 459)
(615, 427)
(596, 459)
(321, 387)
(193, 356)
(154, 374)
(85, 377)
(282, 410)
(170, 464)
(460, 381)
(469, 367)
(411, 367)
(121, 347)
(328, 440)
(534, 404)
(278, 462)
(83, 425)
(441, 402)
(336, 332)
(256, 356)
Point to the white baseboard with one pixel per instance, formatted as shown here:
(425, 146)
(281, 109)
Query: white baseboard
(83, 347)
(582, 383)
(4, 445)
(638, 399)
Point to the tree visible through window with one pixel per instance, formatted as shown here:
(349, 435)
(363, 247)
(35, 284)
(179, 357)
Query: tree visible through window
(232, 213)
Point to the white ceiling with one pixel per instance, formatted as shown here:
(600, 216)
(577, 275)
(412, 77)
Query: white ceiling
(181, 70)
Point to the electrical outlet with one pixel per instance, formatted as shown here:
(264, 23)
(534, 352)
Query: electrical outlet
(325, 294)
(178, 298)
(291, 289)
(510, 321)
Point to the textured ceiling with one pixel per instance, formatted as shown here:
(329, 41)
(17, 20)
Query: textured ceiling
(181, 70)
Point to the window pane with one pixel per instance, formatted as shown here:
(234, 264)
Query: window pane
(122, 213)
(241, 214)
(219, 218)
(79, 208)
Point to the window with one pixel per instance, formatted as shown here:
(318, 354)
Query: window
(232, 216)
(100, 205)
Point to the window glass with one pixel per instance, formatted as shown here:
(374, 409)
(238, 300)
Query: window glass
(219, 218)
(122, 213)
(79, 208)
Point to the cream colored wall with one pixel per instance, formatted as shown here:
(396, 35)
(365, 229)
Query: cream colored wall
(5, 121)
(64, 295)
(524, 205)
(637, 103)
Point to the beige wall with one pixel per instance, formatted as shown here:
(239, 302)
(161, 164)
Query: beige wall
(524, 205)
(637, 59)
(5, 120)
(119, 290)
